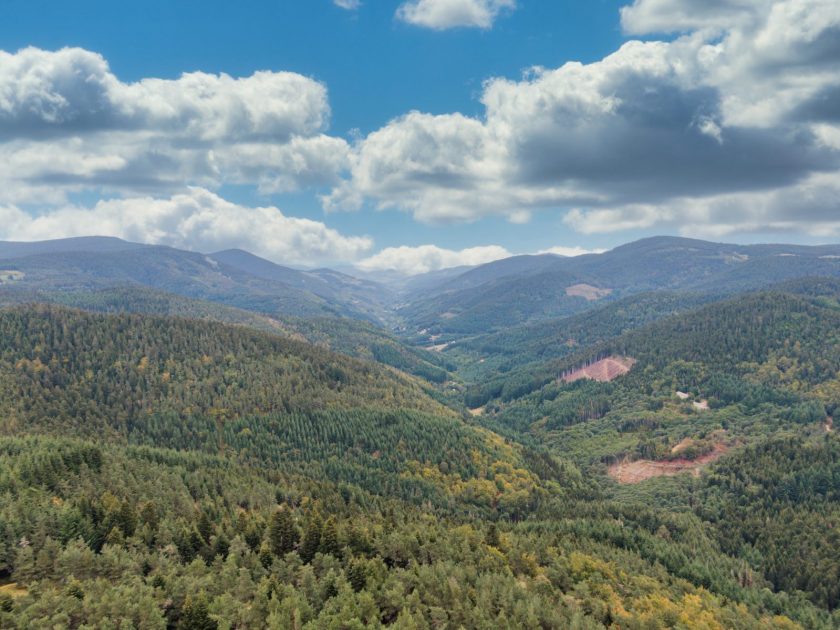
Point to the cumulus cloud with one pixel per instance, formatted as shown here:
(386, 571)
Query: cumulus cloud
(196, 220)
(811, 207)
(425, 258)
(741, 105)
(446, 14)
(67, 123)
(668, 16)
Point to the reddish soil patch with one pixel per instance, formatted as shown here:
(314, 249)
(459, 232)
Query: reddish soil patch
(642, 469)
(682, 446)
(602, 371)
(587, 292)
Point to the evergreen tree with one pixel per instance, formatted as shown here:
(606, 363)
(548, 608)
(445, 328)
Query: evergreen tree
(195, 615)
(330, 543)
(282, 532)
(311, 539)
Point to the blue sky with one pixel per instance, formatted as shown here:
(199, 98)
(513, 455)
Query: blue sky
(647, 135)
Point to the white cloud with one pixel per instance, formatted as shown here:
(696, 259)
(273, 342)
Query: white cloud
(425, 258)
(196, 220)
(746, 104)
(68, 124)
(350, 5)
(811, 207)
(567, 251)
(446, 14)
(72, 91)
(668, 16)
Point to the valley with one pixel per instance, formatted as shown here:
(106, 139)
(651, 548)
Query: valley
(215, 437)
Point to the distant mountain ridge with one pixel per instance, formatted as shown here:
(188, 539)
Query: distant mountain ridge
(526, 289)
(102, 244)
(235, 279)
(453, 303)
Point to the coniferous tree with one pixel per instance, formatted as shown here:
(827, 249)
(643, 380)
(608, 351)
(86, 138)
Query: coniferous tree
(282, 532)
(311, 539)
(330, 543)
(195, 615)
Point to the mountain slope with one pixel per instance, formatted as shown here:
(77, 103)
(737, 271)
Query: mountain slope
(355, 338)
(566, 286)
(56, 364)
(483, 355)
(364, 296)
(234, 277)
(153, 538)
(101, 244)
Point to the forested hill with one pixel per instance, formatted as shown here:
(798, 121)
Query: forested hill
(53, 267)
(726, 410)
(522, 290)
(792, 338)
(353, 337)
(90, 373)
(266, 401)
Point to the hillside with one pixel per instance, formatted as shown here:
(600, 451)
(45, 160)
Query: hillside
(707, 392)
(155, 538)
(518, 291)
(489, 354)
(780, 337)
(363, 296)
(156, 365)
(96, 263)
(355, 338)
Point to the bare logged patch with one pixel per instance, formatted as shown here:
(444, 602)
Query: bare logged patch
(701, 405)
(587, 292)
(14, 590)
(635, 472)
(602, 371)
(682, 446)
(477, 411)
(7, 275)
(438, 348)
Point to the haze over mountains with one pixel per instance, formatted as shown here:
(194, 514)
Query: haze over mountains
(515, 290)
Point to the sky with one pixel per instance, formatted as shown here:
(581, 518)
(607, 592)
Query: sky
(413, 135)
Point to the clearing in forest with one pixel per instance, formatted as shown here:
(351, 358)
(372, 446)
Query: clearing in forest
(627, 472)
(14, 590)
(8, 275)
(587, 292)
(602, 371)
